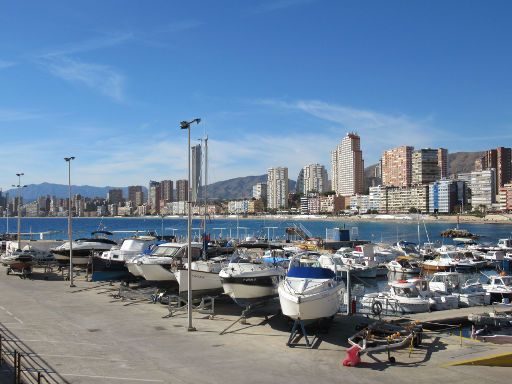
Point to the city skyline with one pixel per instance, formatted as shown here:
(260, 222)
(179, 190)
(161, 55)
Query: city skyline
(79, 80)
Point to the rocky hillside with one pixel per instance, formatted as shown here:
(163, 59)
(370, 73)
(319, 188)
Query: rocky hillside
(239, 187)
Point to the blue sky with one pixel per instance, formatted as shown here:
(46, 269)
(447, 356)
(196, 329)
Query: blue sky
(276, 83)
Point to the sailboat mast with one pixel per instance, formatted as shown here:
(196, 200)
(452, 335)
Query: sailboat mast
(205, 191)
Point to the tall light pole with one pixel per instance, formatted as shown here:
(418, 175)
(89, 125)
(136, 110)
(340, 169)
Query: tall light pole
(186, 125)
(70, 227)
(19, 186)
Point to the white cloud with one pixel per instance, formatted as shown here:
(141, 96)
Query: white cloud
(378, 131)
(105, 41)
(12, 115)
(101, 78)
(6, 64)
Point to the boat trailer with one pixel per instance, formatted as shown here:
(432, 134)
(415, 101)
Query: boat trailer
(382, 336)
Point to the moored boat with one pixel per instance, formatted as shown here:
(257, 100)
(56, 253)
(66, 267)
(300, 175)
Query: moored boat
(84, 248)
(111, 264)
(309, 293)
(248, 282)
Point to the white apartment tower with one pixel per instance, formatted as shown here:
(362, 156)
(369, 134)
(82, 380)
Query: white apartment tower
(277, 188)
(348, 166)
(259, 191)
(315, 179)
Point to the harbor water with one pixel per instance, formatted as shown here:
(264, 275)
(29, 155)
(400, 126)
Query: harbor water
(375, 231)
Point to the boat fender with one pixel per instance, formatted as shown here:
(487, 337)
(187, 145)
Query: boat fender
(376, 308)
(353, 357)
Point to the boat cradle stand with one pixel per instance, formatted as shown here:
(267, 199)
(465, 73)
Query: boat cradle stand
(245, 314)
(297, 328)
(178, 304)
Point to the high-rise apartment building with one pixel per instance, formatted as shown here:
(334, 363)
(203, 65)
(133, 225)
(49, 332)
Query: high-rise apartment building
(504, 166)
(443, 196)
(136, 195)
(277, 188)
(167, 187)
(299, 186)
(425, 166)
(182, 190)
(505, 198)
(483, 188)
(442, 162)
(115, 196)
(259, 191)
(315, 179)
(500, 159)
(196, 172)
(154, 193)
(348, 166)
(396, 167)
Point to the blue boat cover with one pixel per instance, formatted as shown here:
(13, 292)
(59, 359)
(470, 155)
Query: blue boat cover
(311, 273)
(271, 260)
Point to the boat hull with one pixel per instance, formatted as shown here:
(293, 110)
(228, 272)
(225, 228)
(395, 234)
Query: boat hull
(250, 290)
(312, 307)
(203, 283)
(157, 272)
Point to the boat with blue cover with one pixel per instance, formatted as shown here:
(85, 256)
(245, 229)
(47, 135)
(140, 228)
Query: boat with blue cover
(309, 292)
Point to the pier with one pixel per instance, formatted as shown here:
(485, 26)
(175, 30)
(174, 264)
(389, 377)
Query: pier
(86, 335)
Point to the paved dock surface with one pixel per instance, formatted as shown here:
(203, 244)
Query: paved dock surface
(85, 335)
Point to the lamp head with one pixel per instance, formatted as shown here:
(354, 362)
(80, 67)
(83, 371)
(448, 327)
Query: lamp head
(19, 174)
(69, 158)
(186, 124)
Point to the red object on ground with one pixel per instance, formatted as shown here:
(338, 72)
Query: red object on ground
(353, 357)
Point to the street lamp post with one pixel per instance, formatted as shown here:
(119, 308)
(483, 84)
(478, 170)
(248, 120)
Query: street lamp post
(186, 125)
(19, 186)
(70, 227)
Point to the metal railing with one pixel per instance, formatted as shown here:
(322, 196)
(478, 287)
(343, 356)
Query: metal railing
(21, 365)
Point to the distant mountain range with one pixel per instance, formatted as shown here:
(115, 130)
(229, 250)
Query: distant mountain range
(239, 187)
(236, 188)
(33, 191)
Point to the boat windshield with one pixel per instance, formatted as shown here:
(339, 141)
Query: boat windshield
(166, 251)
(406, 291)
(507, 281)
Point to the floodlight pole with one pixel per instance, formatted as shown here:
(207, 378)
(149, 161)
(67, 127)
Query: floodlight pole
(19, 208)
(186, 125)
(70, 225)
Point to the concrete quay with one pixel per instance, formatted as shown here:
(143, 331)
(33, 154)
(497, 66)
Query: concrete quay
(85, 335)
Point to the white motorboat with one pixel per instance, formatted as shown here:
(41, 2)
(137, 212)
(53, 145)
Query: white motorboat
(160, 264)
(111, 264)
(404, 264)
(359, 266)
(84, 248)
(406, 248)
(39, 249)
(205, 277)
(494, 255)
(402, 297)
(500, 288)
(438, 301)
(309, 293)
(248, 282)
